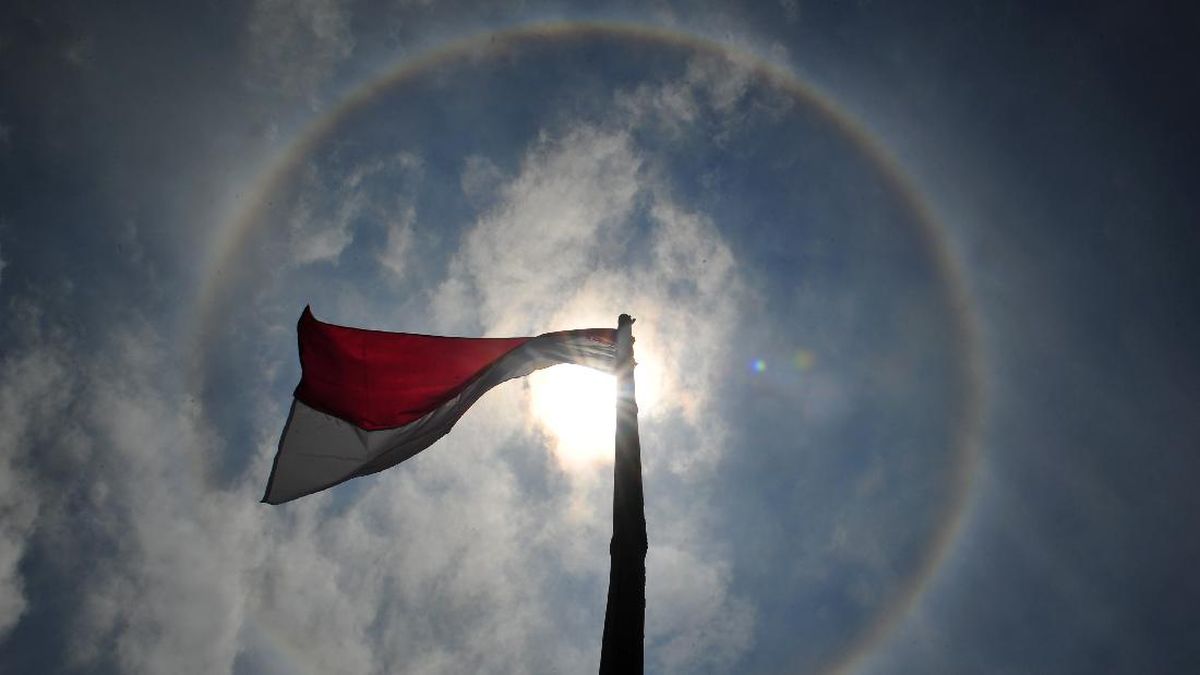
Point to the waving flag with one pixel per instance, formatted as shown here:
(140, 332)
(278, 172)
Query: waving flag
(368, 400)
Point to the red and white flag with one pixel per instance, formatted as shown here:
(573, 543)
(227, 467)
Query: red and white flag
(368, 400)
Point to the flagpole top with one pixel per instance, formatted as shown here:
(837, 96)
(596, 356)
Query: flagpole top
(624, 335)
(624, 342)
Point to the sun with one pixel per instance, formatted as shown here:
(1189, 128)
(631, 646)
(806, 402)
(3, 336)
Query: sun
(576, 406)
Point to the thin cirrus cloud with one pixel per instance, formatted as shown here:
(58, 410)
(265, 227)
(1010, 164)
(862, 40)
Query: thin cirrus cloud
(32, 390)
(323, 219)
(294, 47)
(158, 583)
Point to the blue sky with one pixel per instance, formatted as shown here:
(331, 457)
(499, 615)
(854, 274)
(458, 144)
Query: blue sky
(915, 330)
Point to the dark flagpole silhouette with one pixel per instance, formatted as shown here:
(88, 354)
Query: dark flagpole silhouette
(625, 617)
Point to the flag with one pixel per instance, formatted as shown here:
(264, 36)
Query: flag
(368, 400)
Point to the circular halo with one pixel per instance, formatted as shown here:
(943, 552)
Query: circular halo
(233, 234)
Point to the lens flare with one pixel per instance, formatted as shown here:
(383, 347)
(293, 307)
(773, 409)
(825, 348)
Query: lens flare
(803, 360)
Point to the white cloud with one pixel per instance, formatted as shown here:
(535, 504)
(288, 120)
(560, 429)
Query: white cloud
(128, 454)
(481, 179)
(316, 235)
(563, 214)
(588, 229)
(322, 220)
(712, 84)
(34, 387)
(396, 250)
(101, 447)
(449, 564)
(692, 622)
(294, 46)
(673, 105)
(446, 566)
(725, 79)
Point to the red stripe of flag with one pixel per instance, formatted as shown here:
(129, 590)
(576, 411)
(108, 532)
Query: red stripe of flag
(378, 380)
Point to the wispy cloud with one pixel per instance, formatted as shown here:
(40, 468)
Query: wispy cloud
(452, 564)
(538, 245)
(322, 220)
(34, 386)
(589, 228)
(396, 249)
(294, 47)
(713, 86)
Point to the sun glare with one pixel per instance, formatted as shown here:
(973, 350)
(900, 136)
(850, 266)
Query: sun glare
(576, 406)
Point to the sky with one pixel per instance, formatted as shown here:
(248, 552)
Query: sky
(916, 317)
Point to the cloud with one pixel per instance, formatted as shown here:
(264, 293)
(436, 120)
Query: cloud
(294, 47)
(673, 104)
(315, 238)
(562, 248)
(692, 622)
(554, 220)
(33, 390)
(480, 180)
(712, 87)
(394, 256)
(331, 200)
(481, 554)
(116, 470)
(445, 567)
(586, 229)
(448, 566)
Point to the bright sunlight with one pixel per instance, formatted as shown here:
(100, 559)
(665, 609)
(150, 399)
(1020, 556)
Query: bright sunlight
(576, 406)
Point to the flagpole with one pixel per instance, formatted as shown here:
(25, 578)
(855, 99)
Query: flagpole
(625, 616)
